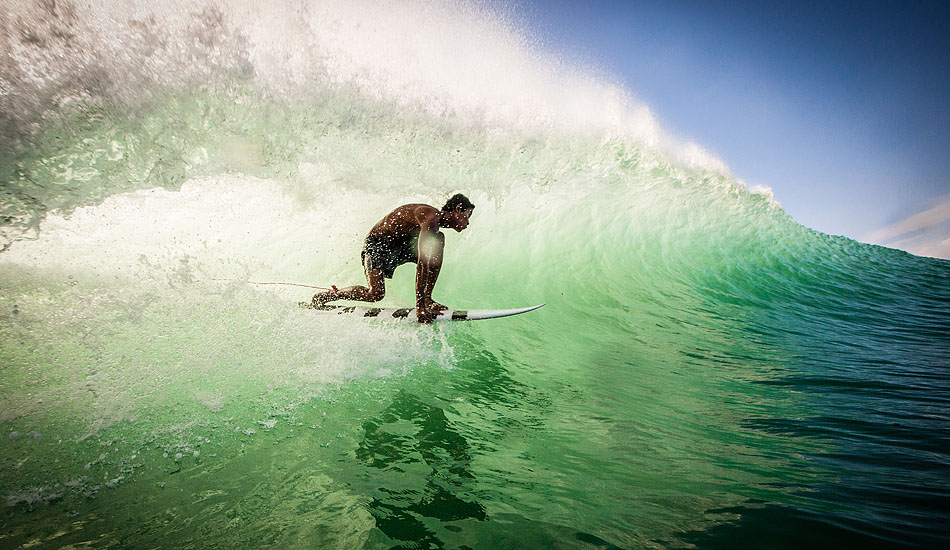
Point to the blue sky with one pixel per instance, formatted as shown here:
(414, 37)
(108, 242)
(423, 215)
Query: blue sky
(842, 108)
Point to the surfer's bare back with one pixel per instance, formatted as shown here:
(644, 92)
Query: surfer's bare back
(409, 233)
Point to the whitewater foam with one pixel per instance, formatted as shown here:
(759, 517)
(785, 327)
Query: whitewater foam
(458, 62)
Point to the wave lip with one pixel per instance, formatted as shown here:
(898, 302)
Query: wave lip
(457, 61)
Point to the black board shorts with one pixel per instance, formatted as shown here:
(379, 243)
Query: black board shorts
(387, 256)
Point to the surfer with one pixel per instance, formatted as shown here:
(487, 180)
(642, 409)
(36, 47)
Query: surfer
(409, 233)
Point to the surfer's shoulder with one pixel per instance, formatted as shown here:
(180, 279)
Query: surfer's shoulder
(419, 214)
(406, 219)
(417, 208)
(411, 210)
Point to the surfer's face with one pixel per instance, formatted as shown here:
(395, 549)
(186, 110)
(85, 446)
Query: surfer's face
(460, 219)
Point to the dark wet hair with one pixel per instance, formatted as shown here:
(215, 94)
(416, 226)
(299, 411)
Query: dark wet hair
(457, 200)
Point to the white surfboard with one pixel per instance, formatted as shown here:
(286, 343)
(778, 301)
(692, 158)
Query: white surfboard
(410, 314)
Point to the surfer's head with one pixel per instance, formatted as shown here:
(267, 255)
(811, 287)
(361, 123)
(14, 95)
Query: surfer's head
(456, 212)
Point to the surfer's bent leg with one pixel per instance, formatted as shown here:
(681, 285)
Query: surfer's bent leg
(376, 265)
(373, 293)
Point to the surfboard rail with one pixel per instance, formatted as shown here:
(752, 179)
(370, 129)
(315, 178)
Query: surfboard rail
(409, 314)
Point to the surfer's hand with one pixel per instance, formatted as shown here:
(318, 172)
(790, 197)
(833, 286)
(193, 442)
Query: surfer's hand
(425, 315)
(428, 312)
(435, 306)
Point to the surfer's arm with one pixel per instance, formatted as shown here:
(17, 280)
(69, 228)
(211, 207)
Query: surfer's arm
(429, 261)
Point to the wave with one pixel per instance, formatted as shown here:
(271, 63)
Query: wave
(83, 86)
(150, 150)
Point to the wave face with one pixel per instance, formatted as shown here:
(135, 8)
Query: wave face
(706, 372)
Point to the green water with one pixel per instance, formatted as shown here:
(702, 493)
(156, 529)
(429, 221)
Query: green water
(706, 373)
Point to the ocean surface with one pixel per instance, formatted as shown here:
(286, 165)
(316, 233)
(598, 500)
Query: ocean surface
(707, 372)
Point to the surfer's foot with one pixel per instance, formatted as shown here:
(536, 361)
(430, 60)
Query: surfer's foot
(321, 298)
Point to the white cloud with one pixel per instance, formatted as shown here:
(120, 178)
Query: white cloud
(926, 233)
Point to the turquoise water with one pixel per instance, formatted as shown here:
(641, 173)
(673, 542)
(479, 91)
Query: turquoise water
(706, 373)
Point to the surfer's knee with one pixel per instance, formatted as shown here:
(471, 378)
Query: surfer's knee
(377, 288)
(439, 248)
(431, 249)
(375, 294)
